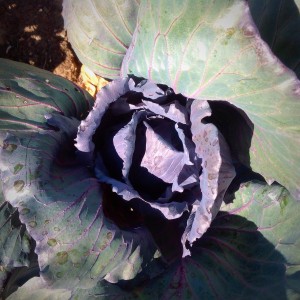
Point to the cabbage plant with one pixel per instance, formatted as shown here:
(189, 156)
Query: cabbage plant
(181, 180)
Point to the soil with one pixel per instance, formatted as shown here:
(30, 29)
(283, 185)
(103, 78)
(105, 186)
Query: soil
(32, 31)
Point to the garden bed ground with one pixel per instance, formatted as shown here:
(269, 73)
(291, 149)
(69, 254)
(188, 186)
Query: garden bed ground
(32, 32)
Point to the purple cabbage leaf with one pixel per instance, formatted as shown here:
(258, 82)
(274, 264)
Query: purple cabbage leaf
(57, 197)
(61, 204)
(156, 159)
(67, 198)
(235, 258)
(222, 57)
(150, 191)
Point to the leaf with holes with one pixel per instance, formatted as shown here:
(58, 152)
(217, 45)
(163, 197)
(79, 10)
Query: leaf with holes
(60, 202)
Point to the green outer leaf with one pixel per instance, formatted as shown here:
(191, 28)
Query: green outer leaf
(2, 200)
(278, 22)
(211, 50)
(276, 214)
(19, 276)
(61, 204)
(3, 272)
(251, 251)
(103, 290)
(36, 289)
(14, 241)
(100, 32)
(28, 93)
(235, 259)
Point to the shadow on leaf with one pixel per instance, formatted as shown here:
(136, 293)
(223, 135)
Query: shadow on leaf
(231, 261)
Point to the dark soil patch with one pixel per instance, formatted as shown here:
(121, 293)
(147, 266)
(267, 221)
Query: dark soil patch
(32, 31)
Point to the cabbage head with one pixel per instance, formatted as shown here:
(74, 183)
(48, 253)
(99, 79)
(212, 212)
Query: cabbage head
(180, 180)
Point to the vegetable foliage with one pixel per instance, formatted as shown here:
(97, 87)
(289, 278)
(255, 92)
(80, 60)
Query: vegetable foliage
(181, 180)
